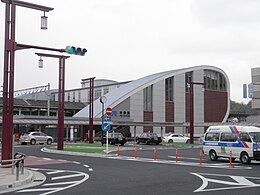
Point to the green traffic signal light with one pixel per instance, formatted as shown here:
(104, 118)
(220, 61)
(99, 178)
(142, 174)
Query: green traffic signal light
(75, 50)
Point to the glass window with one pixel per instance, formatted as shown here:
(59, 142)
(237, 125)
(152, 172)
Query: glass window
(188, 78)
(255, 136)
(212, 137)
(148, 98)
(169, 89)
(245, 137)
(228, 137)
(214, 80)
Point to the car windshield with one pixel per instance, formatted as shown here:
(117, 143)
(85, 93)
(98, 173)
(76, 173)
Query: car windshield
(255, 136)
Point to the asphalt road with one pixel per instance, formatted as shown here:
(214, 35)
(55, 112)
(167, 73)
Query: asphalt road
(146, 174)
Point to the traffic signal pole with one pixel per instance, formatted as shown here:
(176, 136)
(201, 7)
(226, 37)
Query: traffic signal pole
(8, 78)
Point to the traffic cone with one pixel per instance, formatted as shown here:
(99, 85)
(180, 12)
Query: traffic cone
(135, 152)
(176, 156)
(230, 160)
(200, 157)
(118, 151)
(154, 153)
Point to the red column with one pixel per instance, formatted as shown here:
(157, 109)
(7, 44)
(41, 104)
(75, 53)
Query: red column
(61, 103)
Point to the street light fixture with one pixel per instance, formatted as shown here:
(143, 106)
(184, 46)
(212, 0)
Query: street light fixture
(44, 22)
(40, 63)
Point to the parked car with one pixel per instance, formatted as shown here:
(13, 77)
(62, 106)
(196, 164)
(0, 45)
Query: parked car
(114, 139)
(35, 138)
(148, 138)
(178, 138)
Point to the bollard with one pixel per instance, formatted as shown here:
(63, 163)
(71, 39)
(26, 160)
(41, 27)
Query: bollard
(17, 165)
(176, 157)
(230, 160)
(200, 157)
(118, 151)
(135, 152)
(154, 153)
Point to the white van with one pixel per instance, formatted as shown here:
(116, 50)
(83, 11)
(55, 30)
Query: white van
(243, 141)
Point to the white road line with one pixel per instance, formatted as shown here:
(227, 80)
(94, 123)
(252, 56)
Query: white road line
(60, 183)
(47, 158)
(90, 169)
(220, 165)
(54, 172)
(39, 190)
(86, 166)
(67, 176)
(75, 162)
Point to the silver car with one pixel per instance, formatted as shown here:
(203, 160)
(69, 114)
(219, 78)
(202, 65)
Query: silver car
(35, 138)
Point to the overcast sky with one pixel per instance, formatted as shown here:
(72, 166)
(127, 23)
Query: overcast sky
(129, 39)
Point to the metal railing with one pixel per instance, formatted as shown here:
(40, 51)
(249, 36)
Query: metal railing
(17, 163)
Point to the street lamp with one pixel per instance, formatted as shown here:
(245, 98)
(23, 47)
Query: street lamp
(40, 63)
(44, 22)
(102, 100)
(8, 78)
(60, 96)
(192, 109)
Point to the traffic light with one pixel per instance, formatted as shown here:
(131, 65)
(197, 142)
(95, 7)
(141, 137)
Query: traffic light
(75, 50)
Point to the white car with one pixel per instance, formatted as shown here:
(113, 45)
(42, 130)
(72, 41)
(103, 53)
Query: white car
(35, 138)
(178, 138)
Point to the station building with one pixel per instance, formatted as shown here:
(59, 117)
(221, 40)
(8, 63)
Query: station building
(164, 97)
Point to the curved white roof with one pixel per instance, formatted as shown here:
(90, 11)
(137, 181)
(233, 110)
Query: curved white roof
(118, 95)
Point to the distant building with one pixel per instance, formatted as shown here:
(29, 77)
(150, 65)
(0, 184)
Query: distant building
(164, 97)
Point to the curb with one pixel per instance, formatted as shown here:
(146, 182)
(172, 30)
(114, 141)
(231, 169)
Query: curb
(15, 184)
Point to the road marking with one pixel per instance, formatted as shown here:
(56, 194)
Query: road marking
(82, 177)
(219, 166)
(67, 176)
(235, 183)
(90, 169)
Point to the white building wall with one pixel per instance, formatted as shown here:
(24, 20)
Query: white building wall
(137, 111)
(179, 101)
(158, 104)
(198, 76)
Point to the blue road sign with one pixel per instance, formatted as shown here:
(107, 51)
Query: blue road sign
(106, 127)
(107, 119)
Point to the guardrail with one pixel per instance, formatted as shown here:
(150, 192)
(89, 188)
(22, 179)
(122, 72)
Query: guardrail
(16, 163)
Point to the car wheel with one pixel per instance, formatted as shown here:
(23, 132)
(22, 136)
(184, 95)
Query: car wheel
(138, 142)
(170, 141)
(122, 144)
(188, 141)
(212, 155)
(147, 142)
(244, 158)
(49, 142)
(33, 142)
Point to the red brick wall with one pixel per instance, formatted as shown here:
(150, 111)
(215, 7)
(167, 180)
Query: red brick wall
(169, 116)
(148, 116)
(215, 105)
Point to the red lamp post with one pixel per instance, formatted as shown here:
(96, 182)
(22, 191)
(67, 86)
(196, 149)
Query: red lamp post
(91, 107)
(8, 78)
(192, 110)
(60, 95)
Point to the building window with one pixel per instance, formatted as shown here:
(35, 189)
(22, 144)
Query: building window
(97, 94)
(169, 89)
(148, 98)
(106, 90)
(79, 96)
(214, 81)
(188, 78)
(68, 97)
(73, 96)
